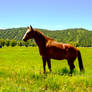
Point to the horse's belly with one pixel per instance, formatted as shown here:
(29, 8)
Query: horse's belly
(57, 54)
(57, 57)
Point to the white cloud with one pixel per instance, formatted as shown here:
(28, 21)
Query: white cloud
(1, 28)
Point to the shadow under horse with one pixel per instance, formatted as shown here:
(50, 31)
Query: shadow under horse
(51, 49)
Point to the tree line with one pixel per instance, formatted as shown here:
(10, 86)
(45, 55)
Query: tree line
(13, 43)
(32, 43)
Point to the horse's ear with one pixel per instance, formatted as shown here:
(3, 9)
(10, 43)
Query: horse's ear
(31, 27)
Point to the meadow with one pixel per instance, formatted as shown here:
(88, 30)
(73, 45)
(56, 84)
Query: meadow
(21, 70)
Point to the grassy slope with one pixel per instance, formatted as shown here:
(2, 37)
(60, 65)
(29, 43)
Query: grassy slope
(77, 34)
(21, 71)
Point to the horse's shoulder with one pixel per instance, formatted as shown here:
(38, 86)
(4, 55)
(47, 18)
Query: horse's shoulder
(50, 42)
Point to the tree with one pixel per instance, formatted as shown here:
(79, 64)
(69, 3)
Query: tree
(2, 42)
(20, 43)
(7, 42)
(26, 43)
(13, 43)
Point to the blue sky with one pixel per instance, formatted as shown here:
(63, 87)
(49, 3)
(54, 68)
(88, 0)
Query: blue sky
(47, 14)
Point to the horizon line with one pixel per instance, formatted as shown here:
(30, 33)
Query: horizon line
(46, 28)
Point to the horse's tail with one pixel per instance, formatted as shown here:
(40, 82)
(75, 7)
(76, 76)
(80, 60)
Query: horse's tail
(80, 61)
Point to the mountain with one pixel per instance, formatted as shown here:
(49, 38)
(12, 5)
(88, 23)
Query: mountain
(79, 36)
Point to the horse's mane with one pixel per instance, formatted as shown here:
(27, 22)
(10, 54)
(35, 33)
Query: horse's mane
(42, 36)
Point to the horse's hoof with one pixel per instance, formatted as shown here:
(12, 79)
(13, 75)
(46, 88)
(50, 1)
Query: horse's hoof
(44, 72)
(50, 70)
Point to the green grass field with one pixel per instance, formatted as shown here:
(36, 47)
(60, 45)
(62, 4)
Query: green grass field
(21, 71)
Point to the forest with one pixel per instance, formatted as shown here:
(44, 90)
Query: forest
(78, 37)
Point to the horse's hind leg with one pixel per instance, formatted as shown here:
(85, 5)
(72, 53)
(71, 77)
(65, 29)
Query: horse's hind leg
(49, 64)
(71, 64)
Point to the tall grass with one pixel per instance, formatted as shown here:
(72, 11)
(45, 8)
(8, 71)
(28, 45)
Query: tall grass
(21, 71)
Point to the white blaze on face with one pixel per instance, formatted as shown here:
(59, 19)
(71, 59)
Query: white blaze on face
(25, 34)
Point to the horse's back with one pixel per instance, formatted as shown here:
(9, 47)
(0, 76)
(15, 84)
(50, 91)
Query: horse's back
(54, 44)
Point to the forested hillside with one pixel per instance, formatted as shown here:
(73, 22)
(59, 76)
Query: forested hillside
(78, 37)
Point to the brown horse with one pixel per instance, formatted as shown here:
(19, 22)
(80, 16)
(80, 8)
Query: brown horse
(50, 49)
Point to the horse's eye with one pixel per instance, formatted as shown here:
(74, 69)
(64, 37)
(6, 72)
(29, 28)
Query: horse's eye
(28, 33)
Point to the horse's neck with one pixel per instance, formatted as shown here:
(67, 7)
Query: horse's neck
(40, 40)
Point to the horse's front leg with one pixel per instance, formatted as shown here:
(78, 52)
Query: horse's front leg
(44, 64)
(49, 64)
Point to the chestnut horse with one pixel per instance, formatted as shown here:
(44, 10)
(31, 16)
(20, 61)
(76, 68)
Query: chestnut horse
(50, 49)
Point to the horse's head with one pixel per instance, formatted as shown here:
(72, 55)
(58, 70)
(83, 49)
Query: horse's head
(29, 34)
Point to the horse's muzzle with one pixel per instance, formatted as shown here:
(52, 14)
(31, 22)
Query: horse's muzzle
(24, 39)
